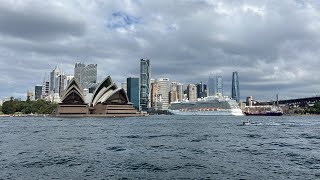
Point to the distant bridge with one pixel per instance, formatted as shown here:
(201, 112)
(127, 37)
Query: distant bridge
(299, 101)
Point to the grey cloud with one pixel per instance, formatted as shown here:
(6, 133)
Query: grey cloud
(38, 24)
(272, 44)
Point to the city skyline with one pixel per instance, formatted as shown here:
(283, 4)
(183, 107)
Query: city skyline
(272, 45)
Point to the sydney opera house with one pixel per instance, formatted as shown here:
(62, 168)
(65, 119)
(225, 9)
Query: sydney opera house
(106, 100)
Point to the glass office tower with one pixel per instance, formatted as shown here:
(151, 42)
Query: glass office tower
(235, 92)
(145, 72)
(133, 91)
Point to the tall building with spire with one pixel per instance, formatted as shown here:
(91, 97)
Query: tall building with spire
(145, 74)
(235, 92)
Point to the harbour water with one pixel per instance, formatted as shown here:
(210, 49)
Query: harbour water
(160, 147)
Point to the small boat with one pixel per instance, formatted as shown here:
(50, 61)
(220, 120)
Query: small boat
(245, 123)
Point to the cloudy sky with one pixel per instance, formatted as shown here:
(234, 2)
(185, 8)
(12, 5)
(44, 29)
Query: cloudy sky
(274, 45)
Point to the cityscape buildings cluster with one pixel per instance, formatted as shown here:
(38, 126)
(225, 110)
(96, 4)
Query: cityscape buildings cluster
(144, 92)
(54, 85)
(147, 93)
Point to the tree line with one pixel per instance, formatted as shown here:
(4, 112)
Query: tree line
(27, 107)
(313, 109)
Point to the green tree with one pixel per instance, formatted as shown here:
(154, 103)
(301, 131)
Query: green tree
(21, 106)
(8, 107)
(39, 106)
(317, 107)
(49, 108)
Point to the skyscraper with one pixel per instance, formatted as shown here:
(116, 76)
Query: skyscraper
(192, 92)
(180, 92)
(211, 90)
(219, 85)
(133, 91)
(173, 92)
(46, 90)
(145, 73)
(154, 94)
(38, 92)
(54, 85)
(45, 87)
(235, 92)
(60, 80)
(77, 71)
(86, 75)
(163, 93)
(201, 90)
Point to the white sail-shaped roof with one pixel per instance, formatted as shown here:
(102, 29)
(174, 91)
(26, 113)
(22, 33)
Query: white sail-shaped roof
(102, 93)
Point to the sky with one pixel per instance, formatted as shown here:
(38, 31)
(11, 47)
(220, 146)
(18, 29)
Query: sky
(273, 45)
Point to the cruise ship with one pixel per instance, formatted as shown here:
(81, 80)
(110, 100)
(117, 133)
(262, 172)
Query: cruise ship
(211, 106)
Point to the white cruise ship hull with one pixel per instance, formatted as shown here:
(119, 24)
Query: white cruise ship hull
(220, 112)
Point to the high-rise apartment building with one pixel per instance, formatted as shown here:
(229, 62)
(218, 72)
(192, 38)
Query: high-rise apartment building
(180, 92)
(202, 90)
(192, 92)
(211, 90)
(163, 93)
(145, 74)
(173, 92)
(54, 84)
(235, 92)
(38, 92)
(133, 91)
(219, 85)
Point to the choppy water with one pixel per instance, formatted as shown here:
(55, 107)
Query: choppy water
(160, 147)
